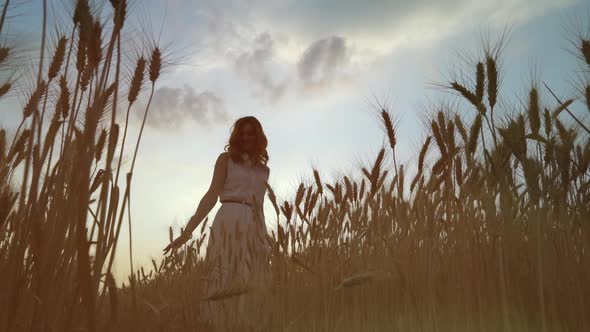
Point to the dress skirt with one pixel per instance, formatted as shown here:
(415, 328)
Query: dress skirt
(238, 274)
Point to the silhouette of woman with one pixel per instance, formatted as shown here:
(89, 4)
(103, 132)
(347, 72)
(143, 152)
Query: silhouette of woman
(237, 252)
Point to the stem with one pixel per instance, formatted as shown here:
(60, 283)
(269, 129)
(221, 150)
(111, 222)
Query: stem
(141, 130)
(4, 14)
(43, 112)
(72, 110)
(123, 143)
(104, 194)
(32, 139)
(42, 42)
(127, 189)
(492, 130)
(102, 205)
(70, 51)
(131, 256)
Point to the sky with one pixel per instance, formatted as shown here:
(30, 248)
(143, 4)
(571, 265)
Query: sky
(312, 72)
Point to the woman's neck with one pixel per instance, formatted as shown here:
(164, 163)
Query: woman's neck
(246, 159)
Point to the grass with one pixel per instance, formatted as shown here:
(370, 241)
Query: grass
(60, 230)
(491, 235)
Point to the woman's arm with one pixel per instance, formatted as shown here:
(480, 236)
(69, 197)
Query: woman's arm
(212, 195)
(205, 205)
(207, 202)
(260, 205)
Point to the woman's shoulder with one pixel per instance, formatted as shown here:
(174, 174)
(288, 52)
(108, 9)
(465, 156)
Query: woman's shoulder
(224, 156)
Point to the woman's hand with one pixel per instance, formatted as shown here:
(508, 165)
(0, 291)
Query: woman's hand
(179, 241)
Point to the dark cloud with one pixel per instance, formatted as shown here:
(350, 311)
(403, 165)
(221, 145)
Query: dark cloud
(321, 64)
(399, 22)
(256, 65)
(323, 60)
(389, 19)
(172, 107)
(311, 18)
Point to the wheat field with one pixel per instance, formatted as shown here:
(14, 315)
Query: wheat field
(488, 232)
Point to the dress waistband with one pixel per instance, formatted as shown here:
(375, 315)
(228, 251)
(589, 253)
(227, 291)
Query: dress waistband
(235, 201)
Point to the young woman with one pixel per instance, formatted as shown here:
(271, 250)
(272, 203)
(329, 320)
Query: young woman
(237, 251)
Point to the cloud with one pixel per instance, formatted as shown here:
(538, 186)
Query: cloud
(173, 107)
(321, 64)
(376, 27)
(257, 65)
(281, 48)
(323, 61)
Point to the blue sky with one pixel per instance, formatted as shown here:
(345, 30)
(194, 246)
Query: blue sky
(309, 71)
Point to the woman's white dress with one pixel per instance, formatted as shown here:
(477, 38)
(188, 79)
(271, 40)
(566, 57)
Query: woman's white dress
(238, 252)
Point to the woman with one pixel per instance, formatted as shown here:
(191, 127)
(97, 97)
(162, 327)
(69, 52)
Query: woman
(237, 252)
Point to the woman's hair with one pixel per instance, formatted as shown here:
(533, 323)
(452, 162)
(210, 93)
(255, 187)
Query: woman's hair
(260, 156)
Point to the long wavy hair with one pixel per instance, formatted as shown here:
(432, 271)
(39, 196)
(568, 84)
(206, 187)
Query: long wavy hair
(235, 149)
